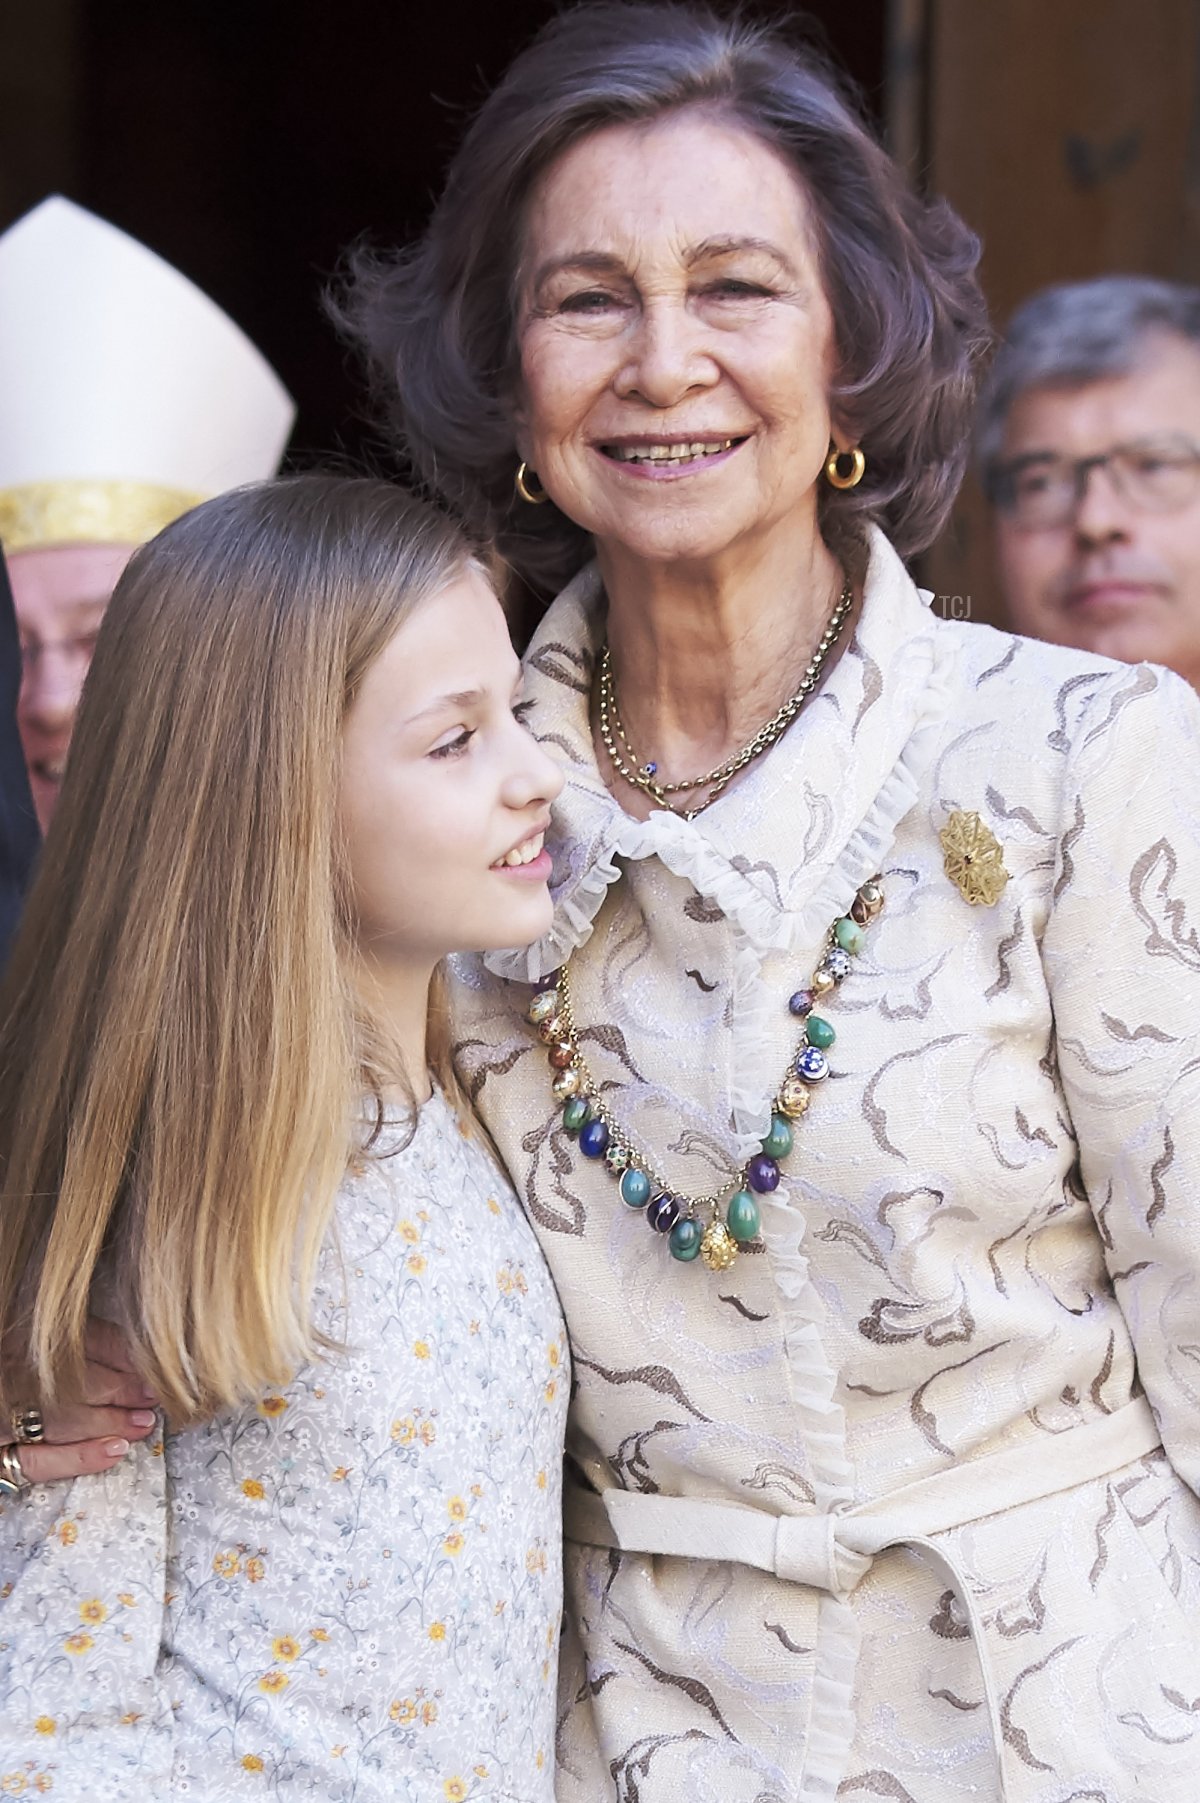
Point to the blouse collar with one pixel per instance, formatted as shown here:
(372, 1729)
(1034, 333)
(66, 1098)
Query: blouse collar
(783, 850)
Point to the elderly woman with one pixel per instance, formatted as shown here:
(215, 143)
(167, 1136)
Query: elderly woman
(854, 1092)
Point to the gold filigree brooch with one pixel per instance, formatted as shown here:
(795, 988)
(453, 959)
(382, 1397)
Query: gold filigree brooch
(974, 858)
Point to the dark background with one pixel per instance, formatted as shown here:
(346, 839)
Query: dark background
(249, 144)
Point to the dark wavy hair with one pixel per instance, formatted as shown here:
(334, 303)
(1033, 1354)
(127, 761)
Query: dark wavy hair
(436, 321)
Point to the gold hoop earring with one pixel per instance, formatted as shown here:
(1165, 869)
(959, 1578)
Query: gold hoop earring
(833, 467)
(535, 496)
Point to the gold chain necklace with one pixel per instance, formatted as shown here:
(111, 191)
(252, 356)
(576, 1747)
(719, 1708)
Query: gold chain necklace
(644, 775)
(588, 1118)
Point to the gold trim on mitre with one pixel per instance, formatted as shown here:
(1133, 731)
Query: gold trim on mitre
(88, 512)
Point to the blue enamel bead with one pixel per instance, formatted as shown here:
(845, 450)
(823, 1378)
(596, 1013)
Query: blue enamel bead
(663, 1213)
(685, 1239)
(635, 1188)
(742, 1216)
(593, 1139)
(838, 963)
(762, 1174)
(811, 1064)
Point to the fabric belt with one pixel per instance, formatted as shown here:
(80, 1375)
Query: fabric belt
(832, 1552)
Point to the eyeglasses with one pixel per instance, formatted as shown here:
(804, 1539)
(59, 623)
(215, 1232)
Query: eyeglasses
(1155, 475)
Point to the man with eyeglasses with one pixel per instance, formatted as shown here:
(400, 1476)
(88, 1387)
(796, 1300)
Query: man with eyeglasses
(1089, 444)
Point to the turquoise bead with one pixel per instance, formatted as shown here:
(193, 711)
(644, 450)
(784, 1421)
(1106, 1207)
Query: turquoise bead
(575, 1114)
(685, 1239)
(742, 1216)
(778, 1142)
(849, 934)
(818, 1032)
(635, 1187)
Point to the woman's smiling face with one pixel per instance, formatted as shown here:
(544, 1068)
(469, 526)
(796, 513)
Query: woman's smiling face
(676, 345)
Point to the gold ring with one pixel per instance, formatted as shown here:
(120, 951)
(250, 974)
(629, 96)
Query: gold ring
(12, 1477)
(28, 1426)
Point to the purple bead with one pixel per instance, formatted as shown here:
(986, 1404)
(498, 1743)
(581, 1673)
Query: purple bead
(801, 1003)
(593, 1139)
(663, 1213)
(762, 1174)
(812, 1064)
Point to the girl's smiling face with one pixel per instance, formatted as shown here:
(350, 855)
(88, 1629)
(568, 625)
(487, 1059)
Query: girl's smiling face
(444, 795)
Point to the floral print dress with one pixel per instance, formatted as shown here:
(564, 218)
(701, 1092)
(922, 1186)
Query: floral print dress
(349, 1591)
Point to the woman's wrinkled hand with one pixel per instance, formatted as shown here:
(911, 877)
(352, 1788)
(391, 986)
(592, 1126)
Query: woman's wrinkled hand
(93, 1435)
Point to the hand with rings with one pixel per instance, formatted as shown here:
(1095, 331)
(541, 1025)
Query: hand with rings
(47, 1445)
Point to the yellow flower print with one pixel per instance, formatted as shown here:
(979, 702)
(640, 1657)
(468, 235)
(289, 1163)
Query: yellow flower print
(428, 1433)
(12, 1783)
(480, 1771)
(552, 1354)
(416, 1263)
(79, 1643)
(226, 1565)
(454, 1790)
(545, 1670)
(319, 1633)
(272, 1405)
(68, 1533)
(43, 1782)
(273, 1681)
(429, 1714)
(251, 1762)
(45, 1724)
(540, 1761)
(253, 1489)
(476, 1490)
(403, 1711)
(535, 1560)
(404, 1432)
(456, 1509)
(340, 1474)
(93, 1610)
(437, 1630)
(126, 1599)
(286, 1648)
(494, 1205)
(131, 1718)
(421, 1349)
(336, 1752)
(541, 1480)
(256, 1571)
(409, 1231)
(453, 1544)
(551, 1390)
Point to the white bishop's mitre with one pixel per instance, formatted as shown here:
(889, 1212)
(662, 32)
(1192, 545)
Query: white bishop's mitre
(126, 395)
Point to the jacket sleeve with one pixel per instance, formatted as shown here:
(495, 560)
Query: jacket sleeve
(1122, 958)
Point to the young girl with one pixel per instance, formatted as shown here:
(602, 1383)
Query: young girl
(298, 780)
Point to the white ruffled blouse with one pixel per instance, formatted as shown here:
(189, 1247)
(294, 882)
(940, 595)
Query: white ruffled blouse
(881, 1511)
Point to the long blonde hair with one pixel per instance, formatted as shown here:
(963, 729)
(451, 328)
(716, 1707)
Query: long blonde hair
(181, 1054)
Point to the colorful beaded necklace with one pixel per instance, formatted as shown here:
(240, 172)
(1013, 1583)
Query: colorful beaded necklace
(588, 1118)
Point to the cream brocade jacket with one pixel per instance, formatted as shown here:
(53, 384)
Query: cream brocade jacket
(929, 1547)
